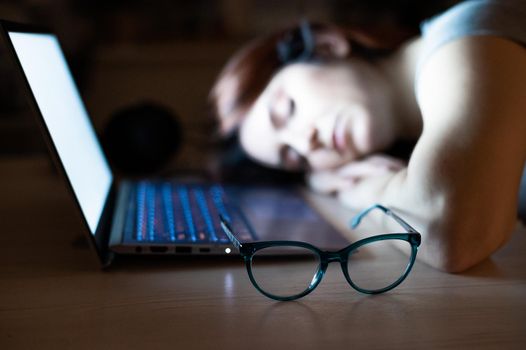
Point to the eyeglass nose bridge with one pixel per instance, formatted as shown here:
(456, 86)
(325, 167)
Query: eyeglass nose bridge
(329, 257)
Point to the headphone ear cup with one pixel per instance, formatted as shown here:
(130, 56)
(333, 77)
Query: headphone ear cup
(142, 138)
(331, 43)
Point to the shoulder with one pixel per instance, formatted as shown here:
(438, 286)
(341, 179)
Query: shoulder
(475, 43)
(472, 94)
(471, 71)
(501, 18)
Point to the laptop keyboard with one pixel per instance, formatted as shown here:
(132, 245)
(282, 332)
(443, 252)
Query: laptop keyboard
(161, 212)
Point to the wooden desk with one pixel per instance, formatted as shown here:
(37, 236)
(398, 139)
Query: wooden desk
(53, 295)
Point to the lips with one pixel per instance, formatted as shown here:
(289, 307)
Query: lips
(340, 137)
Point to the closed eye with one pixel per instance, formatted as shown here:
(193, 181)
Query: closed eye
(292, 107)
(281, 110)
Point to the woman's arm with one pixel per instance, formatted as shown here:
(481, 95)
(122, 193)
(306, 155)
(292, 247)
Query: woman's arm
(460, 187)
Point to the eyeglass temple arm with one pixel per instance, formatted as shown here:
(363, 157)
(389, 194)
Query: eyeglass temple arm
(228, 230)
(358, 218)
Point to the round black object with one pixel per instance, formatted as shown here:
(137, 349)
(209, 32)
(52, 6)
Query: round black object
(140, 139)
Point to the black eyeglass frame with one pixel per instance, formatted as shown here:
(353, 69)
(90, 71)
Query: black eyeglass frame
(247, 251)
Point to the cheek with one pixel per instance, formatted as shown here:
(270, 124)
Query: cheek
(370, 131)
(259, 141)
(362, 133)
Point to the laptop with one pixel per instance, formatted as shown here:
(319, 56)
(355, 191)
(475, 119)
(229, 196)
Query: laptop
(161, 216)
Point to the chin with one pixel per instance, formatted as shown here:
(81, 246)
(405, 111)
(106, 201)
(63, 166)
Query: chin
(370, 145)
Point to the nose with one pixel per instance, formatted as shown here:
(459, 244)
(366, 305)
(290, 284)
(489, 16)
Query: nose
(304, 141)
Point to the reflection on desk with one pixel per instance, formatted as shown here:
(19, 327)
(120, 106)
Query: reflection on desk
(53, 295)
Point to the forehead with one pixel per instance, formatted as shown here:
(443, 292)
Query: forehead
(297, 75)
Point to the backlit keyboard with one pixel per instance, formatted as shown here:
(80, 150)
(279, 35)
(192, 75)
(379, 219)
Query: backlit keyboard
(160, 212)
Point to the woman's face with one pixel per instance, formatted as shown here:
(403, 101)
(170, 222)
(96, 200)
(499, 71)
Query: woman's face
(319, 116)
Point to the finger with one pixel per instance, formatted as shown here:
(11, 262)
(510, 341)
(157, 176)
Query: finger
(328, 182)
(374, 165)
(386, 161)
(362, 169)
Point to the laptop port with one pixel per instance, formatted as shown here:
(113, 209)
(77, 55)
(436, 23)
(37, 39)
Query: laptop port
(159, 249)
(204, 250)
(183, 250)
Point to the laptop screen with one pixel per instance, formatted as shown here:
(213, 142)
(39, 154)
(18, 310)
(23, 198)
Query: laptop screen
(66, 118)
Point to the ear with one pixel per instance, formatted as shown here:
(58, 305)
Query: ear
(331, 43)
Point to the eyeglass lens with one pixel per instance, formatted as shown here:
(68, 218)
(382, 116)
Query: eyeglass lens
(379, 264)
(284, 271)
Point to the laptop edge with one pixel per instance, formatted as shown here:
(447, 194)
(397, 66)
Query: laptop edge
(100, 239)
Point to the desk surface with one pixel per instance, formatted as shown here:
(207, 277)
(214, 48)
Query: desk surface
(53, 295)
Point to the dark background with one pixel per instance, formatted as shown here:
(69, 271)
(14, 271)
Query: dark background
(169, 52)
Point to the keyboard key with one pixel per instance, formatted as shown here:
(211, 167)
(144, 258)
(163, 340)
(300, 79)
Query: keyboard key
(161, 212)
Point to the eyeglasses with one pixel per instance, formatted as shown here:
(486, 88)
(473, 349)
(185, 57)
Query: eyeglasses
(289, 270)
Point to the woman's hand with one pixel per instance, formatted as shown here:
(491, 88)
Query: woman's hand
(356, 183)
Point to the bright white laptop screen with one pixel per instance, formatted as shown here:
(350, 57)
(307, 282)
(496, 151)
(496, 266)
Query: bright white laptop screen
(67, 120)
